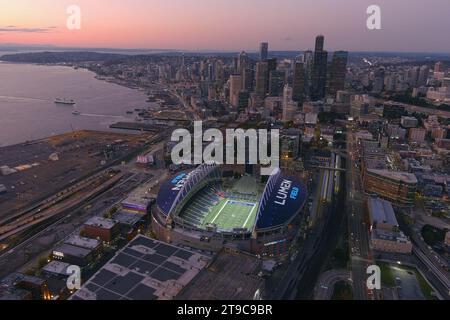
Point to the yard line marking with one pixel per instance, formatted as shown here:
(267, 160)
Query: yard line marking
(248, 218)
(220, 211)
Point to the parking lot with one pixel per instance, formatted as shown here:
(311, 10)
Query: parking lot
(408, 288)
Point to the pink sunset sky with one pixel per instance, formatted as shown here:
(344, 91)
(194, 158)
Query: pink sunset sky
(407, 25)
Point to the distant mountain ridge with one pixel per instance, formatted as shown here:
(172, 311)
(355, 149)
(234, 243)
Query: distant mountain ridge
(60, 57)
(94, 56)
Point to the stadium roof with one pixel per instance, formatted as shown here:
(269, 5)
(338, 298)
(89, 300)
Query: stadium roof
(145, 269)
(283, 198)
(168, 192)
(173, 191)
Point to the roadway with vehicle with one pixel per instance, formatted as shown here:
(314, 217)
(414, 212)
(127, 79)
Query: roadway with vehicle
(300, 275)
(325, 286)
(360, 252)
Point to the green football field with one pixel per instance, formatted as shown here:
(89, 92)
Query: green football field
(230, 214)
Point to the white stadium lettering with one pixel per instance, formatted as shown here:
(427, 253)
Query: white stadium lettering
(180, 183)
(211, 201)
(283, 192)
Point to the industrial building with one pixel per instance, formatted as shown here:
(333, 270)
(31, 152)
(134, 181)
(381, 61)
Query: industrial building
(130, 224)
(73, 255)
(382, 215)
(94, 245)
(384, 229)
(409, 122)
(101, 228)
(19, 286)
(394, 242)
(56, 274)
(139, 200)
(56, 269)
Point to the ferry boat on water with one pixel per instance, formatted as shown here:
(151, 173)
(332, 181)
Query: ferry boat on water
(76, 113)
(65, 101)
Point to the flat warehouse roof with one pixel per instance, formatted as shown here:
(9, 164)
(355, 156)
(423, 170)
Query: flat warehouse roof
(381, 211)
(57, 267)
(230, 276)
(68, 249)
(100, 222)
(145, 269)
(83, 242)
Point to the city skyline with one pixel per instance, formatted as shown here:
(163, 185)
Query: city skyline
(203, 26)
(226, 150)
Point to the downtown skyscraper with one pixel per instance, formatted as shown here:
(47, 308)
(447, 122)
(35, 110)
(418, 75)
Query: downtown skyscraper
(319, 72)
(276, 82)
(337, 72)
(263, 51)
(262, 78)
(298, 82)
(242, 62)
(235, 89)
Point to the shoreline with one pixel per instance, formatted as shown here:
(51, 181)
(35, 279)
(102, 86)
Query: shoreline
(76, 67)
(99, 127)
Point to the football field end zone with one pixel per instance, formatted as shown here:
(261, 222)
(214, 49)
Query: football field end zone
(227, 204)
(250, 215)
(220, 211)
(240, 209)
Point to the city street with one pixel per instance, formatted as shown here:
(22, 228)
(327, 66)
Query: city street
(360, 253)
(326, 282)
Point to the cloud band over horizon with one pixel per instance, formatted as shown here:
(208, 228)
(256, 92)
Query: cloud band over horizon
(414, 25)
(25, 30)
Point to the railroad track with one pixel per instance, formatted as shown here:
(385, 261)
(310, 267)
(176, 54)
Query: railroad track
(48, 210)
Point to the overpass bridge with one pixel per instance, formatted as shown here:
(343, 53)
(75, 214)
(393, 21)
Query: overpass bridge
(329, 168)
